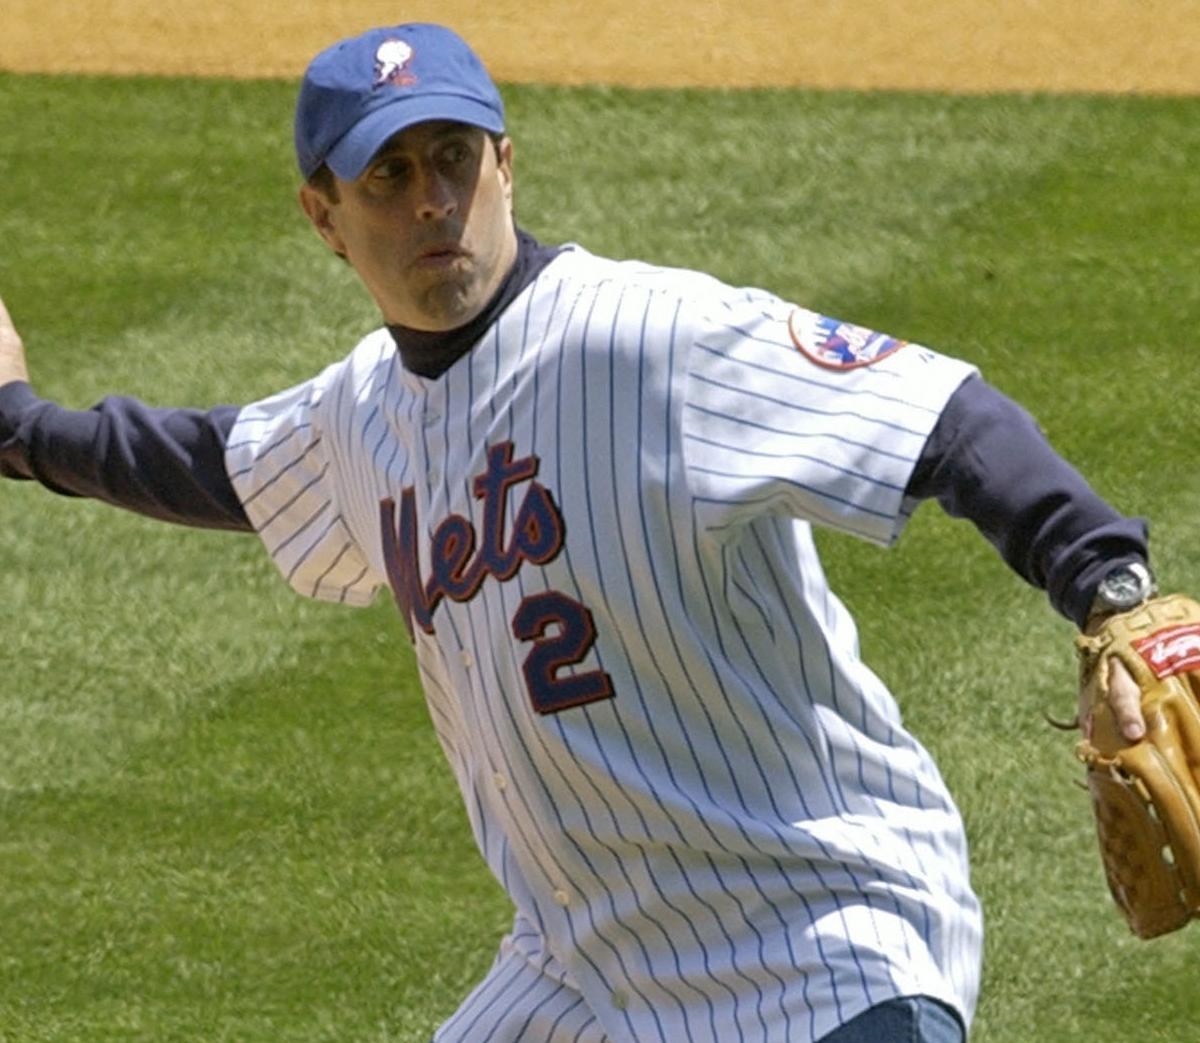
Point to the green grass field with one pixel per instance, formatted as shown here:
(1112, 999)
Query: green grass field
(223, 814)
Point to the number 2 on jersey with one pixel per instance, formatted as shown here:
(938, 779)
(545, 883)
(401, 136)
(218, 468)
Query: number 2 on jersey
(462, 556)
(576, 633)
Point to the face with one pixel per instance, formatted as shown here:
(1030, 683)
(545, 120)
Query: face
(427, 226)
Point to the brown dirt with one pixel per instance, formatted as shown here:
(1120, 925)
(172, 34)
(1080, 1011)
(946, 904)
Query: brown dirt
(970, 45)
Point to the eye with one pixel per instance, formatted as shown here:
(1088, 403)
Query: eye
(389, 170)
(456, 152)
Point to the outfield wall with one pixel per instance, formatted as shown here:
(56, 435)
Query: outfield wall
(1148, 46)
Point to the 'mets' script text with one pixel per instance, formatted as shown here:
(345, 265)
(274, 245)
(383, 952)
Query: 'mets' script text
(461, 558)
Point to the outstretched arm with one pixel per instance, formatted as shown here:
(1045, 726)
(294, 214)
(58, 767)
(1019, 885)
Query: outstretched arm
(987, 461)
(165, 463)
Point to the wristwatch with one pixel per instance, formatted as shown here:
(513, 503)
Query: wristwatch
(1122, 588)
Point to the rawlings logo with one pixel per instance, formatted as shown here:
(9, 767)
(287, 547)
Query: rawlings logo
(838, 345)
(1171, 651)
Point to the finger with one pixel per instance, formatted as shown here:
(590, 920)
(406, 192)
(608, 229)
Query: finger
(6, 324)
(12, 351)
(1125, 698)
(1083, 715)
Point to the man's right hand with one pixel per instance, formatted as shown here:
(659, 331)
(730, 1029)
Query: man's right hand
(12, 351)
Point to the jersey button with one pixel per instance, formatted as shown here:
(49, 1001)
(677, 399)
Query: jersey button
(432, 418)
(562, 898)
(500, 780)
(619, 1000)
(468, 660)
(434, 477)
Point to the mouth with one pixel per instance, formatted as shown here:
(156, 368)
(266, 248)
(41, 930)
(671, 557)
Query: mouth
(441, 255)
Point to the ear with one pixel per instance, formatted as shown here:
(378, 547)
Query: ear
(319, 210)
(504, 164)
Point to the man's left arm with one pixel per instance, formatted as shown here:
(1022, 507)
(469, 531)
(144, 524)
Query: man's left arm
(987, 461)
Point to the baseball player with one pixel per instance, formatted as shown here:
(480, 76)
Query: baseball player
(589, 485)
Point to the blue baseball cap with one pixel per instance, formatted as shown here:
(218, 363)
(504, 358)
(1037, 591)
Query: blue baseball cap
(360, 91)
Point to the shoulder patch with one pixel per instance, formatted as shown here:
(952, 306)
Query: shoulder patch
(838, 345)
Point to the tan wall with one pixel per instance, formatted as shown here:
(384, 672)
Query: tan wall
(1091, 45)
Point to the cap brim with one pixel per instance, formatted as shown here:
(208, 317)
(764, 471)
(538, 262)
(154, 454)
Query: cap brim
(350, 156)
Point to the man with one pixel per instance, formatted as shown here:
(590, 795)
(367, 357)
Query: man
(589, 486)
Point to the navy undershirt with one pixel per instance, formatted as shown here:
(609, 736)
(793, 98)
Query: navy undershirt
(986, 461)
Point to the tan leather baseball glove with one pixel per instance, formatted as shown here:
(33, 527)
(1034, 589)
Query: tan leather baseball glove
(1146, 794)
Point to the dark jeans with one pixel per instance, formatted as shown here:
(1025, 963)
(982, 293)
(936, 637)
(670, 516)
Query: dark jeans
(910, 1019)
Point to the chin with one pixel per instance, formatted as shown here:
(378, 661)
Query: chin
(449, 306)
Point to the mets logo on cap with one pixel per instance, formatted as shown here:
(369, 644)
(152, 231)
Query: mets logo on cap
(838, 345)
(391, 65)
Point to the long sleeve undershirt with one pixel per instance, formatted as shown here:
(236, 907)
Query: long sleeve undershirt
(985, 461)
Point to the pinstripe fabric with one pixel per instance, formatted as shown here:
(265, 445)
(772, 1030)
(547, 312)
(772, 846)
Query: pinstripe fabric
(706, 809)
(523, 999)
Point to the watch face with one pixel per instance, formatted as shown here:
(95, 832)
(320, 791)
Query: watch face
(1126, 586)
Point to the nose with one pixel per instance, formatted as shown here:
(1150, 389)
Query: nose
(435, 196)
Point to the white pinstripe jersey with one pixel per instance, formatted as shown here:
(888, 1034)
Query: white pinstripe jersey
(597, 525)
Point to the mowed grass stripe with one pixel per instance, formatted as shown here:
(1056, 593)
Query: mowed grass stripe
(225, 815)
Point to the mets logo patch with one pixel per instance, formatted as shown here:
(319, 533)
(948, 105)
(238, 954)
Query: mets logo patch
(391, 64)
(838, 345)
(1171, 651)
